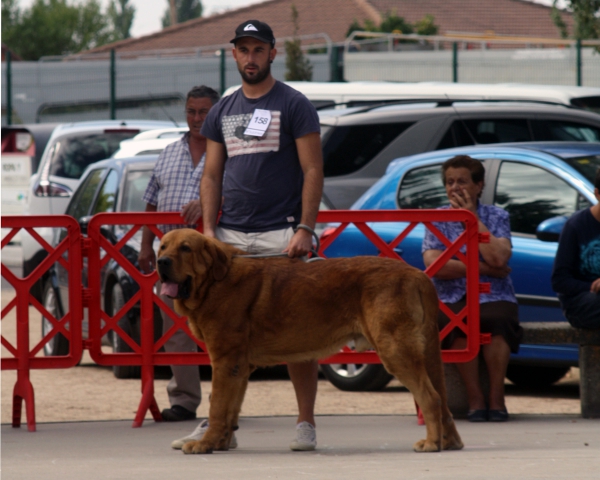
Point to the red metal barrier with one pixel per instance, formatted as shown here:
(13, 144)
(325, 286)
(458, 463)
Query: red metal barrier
(23, 356)
(99, 251)
(468, 319)
(146, 353)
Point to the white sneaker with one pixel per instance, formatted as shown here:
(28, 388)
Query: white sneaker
(197, 434)
(306, 438)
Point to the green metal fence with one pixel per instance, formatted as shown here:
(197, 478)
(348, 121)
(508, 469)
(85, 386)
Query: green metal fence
(154, 84)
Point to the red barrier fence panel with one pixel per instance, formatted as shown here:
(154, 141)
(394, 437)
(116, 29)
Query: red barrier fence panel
(468, 319)
(22, 355)
(108, 237)
(145, 350)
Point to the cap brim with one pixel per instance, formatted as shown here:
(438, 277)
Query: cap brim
(253, 35)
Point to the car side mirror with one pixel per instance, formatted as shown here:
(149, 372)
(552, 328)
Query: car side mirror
(549, 230)
(83, 224)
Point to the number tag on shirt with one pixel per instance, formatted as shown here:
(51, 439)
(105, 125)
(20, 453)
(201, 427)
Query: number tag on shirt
(261, 119)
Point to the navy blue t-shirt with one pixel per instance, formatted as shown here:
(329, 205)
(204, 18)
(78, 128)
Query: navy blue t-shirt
(577, 262)
(262, 186)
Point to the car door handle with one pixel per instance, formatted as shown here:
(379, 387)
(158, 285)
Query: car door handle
(399, 251)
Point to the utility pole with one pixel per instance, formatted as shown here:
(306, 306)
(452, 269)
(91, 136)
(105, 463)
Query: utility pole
(173, 12)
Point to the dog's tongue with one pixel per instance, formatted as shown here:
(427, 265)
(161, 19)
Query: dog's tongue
(170, 289)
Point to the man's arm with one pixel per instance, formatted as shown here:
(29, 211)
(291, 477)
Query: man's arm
(310, 155)
(147, 257)
(211, 185)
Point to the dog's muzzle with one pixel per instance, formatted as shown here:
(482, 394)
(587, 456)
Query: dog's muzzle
(169, 287)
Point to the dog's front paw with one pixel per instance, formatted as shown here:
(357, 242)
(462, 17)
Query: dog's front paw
(425, 446)
(197, 446)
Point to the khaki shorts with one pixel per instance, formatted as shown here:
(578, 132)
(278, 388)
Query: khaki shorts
(275, 241)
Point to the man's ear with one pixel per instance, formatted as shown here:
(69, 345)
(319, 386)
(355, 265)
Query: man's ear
(220, 260)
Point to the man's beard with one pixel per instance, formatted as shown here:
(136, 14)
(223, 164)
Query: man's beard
(258, 77)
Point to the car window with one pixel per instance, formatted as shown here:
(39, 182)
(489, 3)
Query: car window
(587, 166)
(347, 149)
(531, 195)
(84, 195)
(422, 188)
(485, 131)
(70, 155)
(107, 196)
(135, 186)
(558, 130)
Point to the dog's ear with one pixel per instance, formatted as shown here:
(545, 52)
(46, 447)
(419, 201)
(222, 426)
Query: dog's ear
(220, 260)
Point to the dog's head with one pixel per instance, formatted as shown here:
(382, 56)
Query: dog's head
(187, 259)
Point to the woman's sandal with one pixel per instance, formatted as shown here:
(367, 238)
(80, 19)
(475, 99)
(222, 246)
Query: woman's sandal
(498, 415)
(477, 415)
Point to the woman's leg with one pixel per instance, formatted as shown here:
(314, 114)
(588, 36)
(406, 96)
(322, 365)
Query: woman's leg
(469, 372)
(496, 355)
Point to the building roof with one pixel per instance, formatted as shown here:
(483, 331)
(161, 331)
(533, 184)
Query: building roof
(333, 17)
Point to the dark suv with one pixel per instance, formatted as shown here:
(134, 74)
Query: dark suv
(359, 143)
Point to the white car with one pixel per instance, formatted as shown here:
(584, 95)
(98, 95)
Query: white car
(150, 142)
(70, 149)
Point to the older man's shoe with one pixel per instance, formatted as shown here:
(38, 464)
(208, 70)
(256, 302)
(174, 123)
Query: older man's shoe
(177, 413)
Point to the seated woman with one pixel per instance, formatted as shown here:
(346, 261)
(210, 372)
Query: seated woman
(463, 179)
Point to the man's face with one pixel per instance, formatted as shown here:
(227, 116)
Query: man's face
(459, 181)
(196, 110)
(253, 59)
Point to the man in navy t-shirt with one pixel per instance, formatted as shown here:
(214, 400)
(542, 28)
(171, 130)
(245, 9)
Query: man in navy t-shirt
(576, 275)
(264, 171)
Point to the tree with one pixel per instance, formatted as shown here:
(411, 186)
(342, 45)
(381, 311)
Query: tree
(586, 16)
(120, 14)
(298, 67)
(392, 23)
(186, 10)
(53, 27)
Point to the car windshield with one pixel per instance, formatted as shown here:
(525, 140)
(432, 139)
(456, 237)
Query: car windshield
(71, 155)
(587, 166)
(135, 186)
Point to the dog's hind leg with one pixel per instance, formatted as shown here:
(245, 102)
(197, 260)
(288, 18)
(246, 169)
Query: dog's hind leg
(229, 382)
(408, 366)
(435, 369)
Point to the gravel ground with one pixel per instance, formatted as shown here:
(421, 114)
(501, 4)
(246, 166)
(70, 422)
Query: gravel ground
(90, 392)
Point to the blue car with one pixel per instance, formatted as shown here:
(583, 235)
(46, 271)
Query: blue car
(539, 184)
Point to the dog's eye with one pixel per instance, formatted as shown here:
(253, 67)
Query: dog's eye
(185, 248)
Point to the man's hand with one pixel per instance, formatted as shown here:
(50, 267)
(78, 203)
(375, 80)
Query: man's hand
(498, 272)
(192, 212)
(300, 244)
(146, 259)
(595, 288)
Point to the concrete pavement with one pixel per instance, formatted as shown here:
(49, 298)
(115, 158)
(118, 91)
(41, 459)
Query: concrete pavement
(349, 447)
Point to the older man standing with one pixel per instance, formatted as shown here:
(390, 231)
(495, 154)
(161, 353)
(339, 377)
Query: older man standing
(264, 170)
(173, 187)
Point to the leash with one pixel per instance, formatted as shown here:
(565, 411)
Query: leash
(314, 251)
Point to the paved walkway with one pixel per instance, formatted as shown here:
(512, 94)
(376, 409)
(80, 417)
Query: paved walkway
(350, 447)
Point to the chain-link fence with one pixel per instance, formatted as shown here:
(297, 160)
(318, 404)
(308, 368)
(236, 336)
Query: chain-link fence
(153, 84)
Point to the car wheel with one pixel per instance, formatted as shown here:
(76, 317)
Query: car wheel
(58, 344)
(535, 376)
(119, 345)
(357, 378)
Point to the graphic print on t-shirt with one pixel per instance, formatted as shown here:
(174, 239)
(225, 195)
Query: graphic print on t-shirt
(590, 259)
(239, 144)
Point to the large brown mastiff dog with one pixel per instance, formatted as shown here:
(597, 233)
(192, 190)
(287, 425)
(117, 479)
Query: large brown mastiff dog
(256, 312)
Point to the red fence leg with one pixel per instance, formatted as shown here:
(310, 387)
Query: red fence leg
(148, 402)
(23, 392)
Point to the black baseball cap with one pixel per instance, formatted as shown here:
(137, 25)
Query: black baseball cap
(255, 29)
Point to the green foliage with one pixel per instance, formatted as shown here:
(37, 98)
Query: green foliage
(186, 10)
(426, 26)
(57, 27)
(298, 67)
(586, 14)
(392, 23)
(121, 16)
